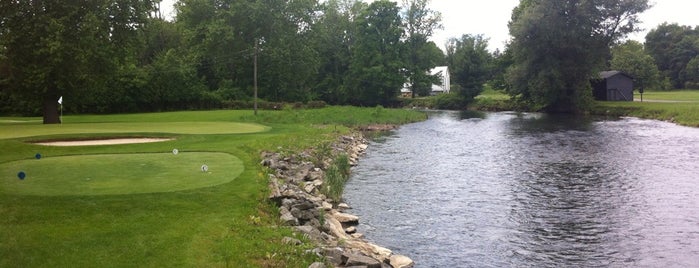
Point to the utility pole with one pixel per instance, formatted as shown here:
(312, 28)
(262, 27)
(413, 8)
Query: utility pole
(254, 76)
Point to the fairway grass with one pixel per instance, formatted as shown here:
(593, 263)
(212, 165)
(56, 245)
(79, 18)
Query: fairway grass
(215, 222)
(108, 174)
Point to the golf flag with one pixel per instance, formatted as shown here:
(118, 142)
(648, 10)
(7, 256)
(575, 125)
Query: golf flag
(60, 100)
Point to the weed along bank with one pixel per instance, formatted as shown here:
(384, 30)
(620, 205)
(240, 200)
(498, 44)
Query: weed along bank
(301, 184)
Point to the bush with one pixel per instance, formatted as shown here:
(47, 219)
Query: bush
(449, 101)
(316, 104)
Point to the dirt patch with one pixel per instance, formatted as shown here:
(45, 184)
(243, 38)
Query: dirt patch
(102, 141)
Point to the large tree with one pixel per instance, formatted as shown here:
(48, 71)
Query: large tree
(673, 47)
(559, 45)
(631, 58)
(333, 37)
(222, 36)
(65, 48)
(470, 64)
(375, 70)
(420, 23)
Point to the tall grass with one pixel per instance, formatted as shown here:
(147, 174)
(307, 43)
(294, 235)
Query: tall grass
(335, 178)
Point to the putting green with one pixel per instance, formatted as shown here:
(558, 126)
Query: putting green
(36, 129)
(109, 174)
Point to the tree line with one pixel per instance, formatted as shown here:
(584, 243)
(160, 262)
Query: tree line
(111, 56)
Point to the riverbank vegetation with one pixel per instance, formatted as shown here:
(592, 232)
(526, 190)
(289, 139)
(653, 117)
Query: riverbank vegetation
(218, 224)
(681, 107)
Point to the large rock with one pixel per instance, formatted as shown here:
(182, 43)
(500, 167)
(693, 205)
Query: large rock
(346, 218)
(287, 218)
(317, 265)
(334, 255)
(335, 227)
(310, 232)
(362, 147)
(400, 261)
(361, 260)
(275, 192)
(291, 241)
(377, 252)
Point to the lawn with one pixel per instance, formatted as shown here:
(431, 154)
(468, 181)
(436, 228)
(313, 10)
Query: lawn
(678, 95)
(140, 205)
(111, 174)
(681, 107)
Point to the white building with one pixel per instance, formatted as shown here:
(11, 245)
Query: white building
(443, 71)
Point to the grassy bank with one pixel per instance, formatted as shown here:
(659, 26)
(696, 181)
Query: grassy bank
(681, 107)
(219, 222)
(686, 114)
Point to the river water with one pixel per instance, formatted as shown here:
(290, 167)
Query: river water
(532, 190)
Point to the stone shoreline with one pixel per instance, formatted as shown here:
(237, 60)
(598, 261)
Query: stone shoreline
(295, 184)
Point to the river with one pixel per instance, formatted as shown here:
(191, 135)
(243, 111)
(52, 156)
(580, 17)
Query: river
(466, 189)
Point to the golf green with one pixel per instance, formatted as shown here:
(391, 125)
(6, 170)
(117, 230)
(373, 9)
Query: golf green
(110, 174)
(35, 129)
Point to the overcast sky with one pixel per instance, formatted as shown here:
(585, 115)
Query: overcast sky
(490, 17)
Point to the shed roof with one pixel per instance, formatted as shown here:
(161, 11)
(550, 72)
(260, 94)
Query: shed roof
(608, 74)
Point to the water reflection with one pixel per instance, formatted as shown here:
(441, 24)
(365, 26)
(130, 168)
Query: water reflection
(532, 190)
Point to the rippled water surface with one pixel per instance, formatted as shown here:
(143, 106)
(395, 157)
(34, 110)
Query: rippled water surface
(532, 190)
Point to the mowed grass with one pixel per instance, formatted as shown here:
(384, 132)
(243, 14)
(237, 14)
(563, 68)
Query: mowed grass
(681, 107)
(683, 113)
(222, 225)
(109, 174)
(678, 95)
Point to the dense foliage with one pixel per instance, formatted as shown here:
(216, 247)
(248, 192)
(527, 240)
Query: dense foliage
(115, 56)
(675, 49)
(107, 56)
(632, 59)
(471, 63)
(558, 46)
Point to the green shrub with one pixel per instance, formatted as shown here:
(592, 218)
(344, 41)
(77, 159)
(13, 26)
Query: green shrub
(449, 101)
(316, 104)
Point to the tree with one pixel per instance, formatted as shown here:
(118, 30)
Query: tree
(375, 70)
(470, 64)
(691, 74)
(222, 35)
(63, 48)
(333, 38)
(558, 45)
(673, 46)
(421, 82)
(631, 58)
(419, 23)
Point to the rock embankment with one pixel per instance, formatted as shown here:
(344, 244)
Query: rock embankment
(295, 184)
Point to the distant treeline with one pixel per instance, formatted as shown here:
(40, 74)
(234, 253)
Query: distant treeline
(109, 56)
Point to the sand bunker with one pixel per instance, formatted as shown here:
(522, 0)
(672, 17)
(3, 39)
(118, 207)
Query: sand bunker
(103, 141)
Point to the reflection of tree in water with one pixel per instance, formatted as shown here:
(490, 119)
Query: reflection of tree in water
(524, 123)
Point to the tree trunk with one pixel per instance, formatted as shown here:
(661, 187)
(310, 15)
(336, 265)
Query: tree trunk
(51, 113)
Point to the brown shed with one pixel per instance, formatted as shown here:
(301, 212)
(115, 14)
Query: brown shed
(613, 86)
